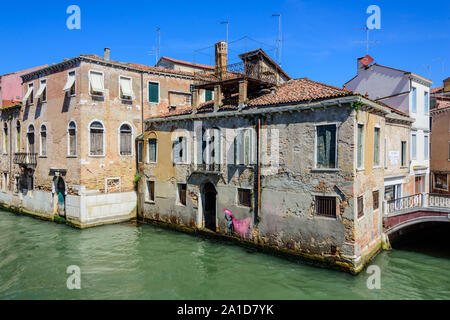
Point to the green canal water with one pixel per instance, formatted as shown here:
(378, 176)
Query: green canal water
(145, 262)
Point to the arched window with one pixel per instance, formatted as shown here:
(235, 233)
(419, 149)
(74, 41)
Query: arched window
(18, 136)
(43, 140)
(125, 140)
(30, 135)
(96, 132)
(72, 139)
(152, 147)
(5, 138)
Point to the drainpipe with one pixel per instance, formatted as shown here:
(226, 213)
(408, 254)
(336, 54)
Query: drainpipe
(258, 170)
(10, 154)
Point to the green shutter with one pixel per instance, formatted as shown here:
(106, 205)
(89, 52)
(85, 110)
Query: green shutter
(153, 92)
(208, 95)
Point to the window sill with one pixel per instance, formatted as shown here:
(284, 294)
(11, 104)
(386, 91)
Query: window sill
(70, 156)
(325, 170)
(126, 155)
(151, 163)
(377, 167)
(324, 217)
(149, 202)
(96, 156)
(42, 156)
(360, 169)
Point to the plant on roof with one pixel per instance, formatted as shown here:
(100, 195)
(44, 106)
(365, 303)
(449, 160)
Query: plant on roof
(356, 106)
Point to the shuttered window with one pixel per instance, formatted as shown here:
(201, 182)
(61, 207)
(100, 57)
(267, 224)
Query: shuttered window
(125, 140)
(96, 83)
(30, 135)
(153, 92)
(360, 206)
(326, 146)
(72, 131)
(376, 147)
(43, 140)
(359, 162)
(96, 139)
(376, 199)
(139, 150)
(403, 154)
(208, 95)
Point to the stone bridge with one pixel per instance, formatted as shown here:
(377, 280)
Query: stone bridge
(415, 209)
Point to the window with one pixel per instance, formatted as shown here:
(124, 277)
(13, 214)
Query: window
(385, 154)
(180, 150)
(30, 136)
(413, 100)
(413, 146)
(376, 147)
(376, 199)
(326, 146)
(326, 206)
(42, 92)
(139, 150)
(69, 87)
(425, 147)
(441, 181)
(5, 138)
(72, 139)
(403, 160)
(244, 196)
(150, 191)
(182, 194)
(419, 184)
(425, 102)
(112, 185)
(360, 206)
(208, 95)
(125, 140)
(96, 83)
(360, 150)
(152, 148)
(18, 136)
(243, 147)
(153, 92)
(96, 139)
(28, 98)
(125, 88)
(43, 140)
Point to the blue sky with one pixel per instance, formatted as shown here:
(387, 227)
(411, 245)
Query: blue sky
(319, 36)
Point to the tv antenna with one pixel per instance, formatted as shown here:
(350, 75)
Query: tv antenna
(368, 41)
(227, 23)
(279, 40)
(442, 60)
(157, 48)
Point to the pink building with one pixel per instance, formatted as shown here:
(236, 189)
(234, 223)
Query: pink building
(11, 87)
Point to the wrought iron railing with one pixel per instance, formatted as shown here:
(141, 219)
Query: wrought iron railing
(255, 71)
(25, 158)
(203, 167)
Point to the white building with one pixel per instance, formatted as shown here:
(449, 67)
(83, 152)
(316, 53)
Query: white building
(410, 94)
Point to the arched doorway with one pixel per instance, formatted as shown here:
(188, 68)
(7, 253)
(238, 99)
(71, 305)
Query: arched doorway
(209, 212)
(61, 194)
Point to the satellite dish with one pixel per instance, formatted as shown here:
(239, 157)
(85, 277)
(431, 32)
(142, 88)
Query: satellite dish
(367, 60)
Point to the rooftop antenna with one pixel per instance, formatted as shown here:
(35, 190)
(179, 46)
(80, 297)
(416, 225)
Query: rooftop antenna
(367, 42)
(227, 23)
(428, 66)
(442, 63)
(158, 45)
(279, 40)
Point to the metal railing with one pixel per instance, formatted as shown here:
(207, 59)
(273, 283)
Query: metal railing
(25, 158)
(255, 71)
(421, 200)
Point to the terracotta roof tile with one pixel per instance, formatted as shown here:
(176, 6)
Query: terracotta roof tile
(198, 65)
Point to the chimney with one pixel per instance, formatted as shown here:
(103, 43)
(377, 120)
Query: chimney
(106, 55)
(363, 63)
(447, 85)
(221, 57)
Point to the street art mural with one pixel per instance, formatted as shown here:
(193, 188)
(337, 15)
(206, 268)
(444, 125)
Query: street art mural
(241, 226)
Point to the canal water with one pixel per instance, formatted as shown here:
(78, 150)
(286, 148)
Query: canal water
(144, 262)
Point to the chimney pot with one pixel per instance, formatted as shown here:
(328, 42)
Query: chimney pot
(221, 58)
(106, 54)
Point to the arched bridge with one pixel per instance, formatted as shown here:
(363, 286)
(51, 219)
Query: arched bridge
(415, 209)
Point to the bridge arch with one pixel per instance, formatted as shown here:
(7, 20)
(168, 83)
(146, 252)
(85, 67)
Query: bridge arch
(415, 221)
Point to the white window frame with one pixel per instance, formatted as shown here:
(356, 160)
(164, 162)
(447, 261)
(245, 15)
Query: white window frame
(181, 133)
(89, 80)
(252, 134)
(148, 91)
(132, 139)
(379, 146)
(29, 102)
(413, 99)
(362, 146)
(89, 140)
(426, 102)
(131, 98)
(315, 147)
(116, 178)
(27, 140)
(426, 146)
(76, 140)
(414, 145)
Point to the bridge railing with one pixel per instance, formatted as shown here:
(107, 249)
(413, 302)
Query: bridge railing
(420, 200)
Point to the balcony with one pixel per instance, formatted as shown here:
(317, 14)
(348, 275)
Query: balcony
(212, 168)
(25, 158)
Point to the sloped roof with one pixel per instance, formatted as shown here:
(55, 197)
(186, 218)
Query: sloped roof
(196, 65)
(266, 56)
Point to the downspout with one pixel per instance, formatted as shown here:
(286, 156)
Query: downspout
(258, 170)
(10, 154)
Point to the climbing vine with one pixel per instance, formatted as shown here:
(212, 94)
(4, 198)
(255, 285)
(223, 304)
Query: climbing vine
(356, 106)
